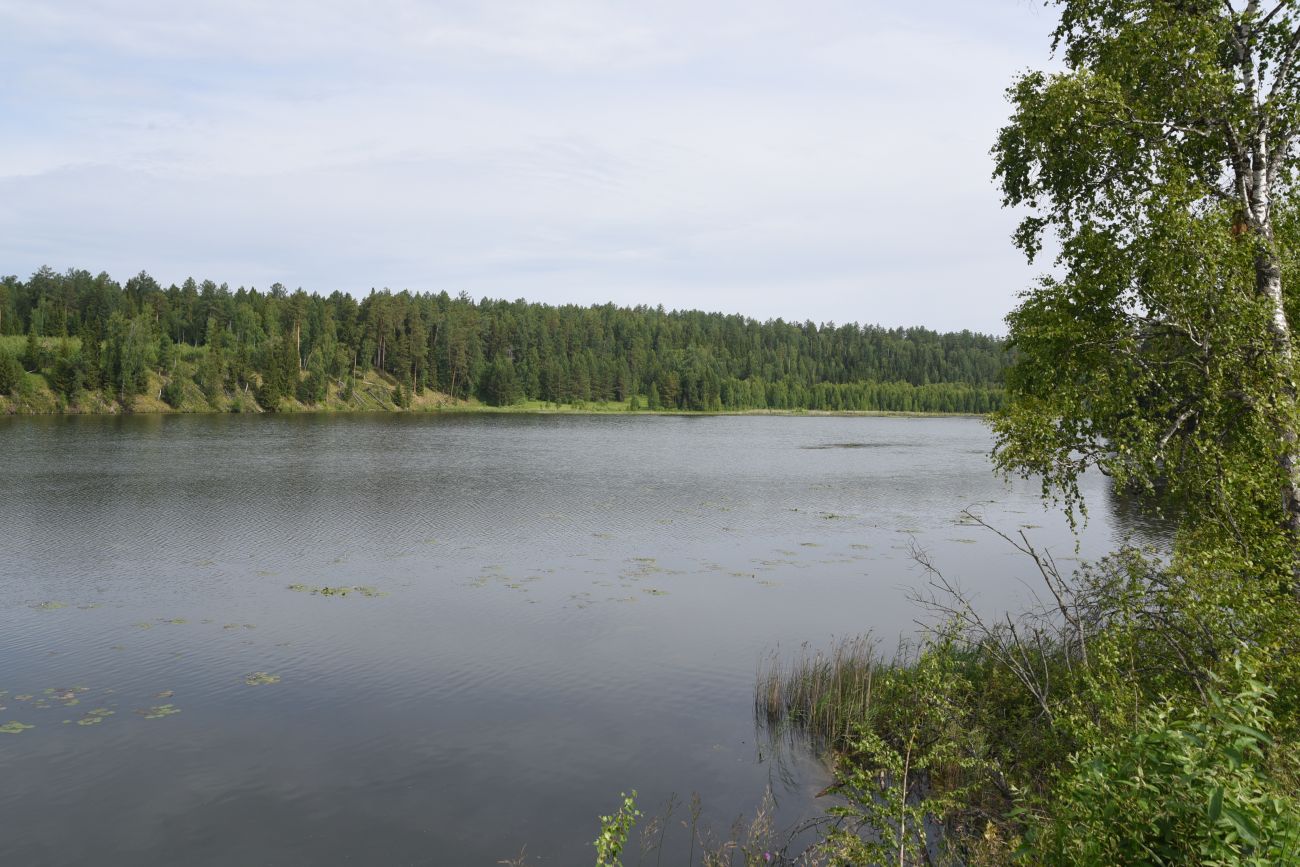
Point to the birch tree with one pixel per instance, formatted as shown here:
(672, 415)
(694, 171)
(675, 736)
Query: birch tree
(1162, 161)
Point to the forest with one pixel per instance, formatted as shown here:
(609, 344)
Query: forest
(88, 343)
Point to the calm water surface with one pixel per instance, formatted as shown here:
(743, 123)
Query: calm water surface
(572, 607)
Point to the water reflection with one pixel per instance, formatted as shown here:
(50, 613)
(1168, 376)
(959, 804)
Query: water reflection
(564, 608)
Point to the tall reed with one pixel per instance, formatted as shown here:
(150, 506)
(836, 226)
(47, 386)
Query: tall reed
(819, 694)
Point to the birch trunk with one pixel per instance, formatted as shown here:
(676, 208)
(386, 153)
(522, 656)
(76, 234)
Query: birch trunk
(1256, 172)
(1268, 276)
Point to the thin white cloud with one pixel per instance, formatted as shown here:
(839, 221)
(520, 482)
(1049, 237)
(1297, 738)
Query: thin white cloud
(824, 160)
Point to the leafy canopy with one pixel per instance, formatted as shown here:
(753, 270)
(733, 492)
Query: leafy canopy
(1162, 164)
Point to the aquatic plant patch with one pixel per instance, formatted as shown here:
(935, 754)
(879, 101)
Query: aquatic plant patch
(361, 590)
(261, 678)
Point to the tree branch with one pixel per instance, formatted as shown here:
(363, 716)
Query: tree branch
(1284, 66)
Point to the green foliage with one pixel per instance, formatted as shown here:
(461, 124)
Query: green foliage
(33, 355)
(1183, 787)
(1162, 159)
(173, 393)
(912, 758)
(500, 386)
(287, 345)
(67, 374)
(614, 831)
(312, 388)
(11, 372)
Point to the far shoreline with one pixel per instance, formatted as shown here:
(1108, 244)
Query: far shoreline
(485, 409)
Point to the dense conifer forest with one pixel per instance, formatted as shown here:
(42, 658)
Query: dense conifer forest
(84, 342)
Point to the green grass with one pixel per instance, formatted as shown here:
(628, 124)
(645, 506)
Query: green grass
(16, 344)
(820, 695)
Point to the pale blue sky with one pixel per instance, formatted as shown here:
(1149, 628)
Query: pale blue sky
(810, 160)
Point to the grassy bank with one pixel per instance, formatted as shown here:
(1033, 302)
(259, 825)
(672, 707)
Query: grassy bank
(1149, 714)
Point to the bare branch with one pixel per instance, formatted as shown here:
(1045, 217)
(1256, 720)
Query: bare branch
(1263, 22)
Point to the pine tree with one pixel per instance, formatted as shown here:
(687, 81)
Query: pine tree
(11, 372)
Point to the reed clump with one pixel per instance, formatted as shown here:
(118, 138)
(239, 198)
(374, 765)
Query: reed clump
(821, 695)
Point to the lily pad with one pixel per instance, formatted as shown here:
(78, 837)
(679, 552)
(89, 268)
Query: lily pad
(13, 727)
(260, 678)
(159, 711)
(50, 606)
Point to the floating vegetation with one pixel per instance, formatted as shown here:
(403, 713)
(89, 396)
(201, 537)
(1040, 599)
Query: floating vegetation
(166, 693)
(52, 605)
(369, 592)
(654, 591)
(261, 678)
(239, 625)
(809, 545)
(832, 516)
(144, 624)
(26, 696)
(95, 717)
(964, 541)
(67, 696)
(159, 711)
(13, 727)
(175, 621)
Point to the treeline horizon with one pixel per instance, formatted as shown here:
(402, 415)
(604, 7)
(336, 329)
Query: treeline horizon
(279, 345)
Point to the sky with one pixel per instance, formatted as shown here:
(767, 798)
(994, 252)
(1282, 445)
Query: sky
(817, 160)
